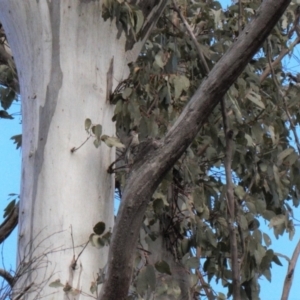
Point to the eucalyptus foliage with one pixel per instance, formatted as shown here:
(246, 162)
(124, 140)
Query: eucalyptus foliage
(261, 113)
(189, 209)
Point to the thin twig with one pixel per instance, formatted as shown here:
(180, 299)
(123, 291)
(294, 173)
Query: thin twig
(81, 252)
(290, 273)
(24, 291)
(8, 277)
(205, 286)
(231, 205)
(279, 58)
(240, 17)
(295, 23)
(75, 149)
(200, 52)
(280, 93)
(72, 238)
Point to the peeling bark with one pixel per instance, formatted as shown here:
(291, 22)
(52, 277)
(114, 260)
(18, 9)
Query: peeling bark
(63, 51)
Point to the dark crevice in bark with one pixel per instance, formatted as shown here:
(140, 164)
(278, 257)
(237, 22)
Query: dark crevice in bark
(47, 111)
(148, 172)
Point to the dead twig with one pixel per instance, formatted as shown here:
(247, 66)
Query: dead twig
(280, 93)
(8, 277)
(200, 52)
(231, 205)
(279, 58)
(290, 273)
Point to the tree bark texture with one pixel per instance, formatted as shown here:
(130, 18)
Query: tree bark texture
(290, 273)
(64, 51)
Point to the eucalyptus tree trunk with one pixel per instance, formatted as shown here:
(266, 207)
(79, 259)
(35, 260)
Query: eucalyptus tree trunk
(66, 55)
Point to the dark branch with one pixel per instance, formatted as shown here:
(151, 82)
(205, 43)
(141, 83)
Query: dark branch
(8, 277)
(148, 172)
(231, 205)
(9, 224)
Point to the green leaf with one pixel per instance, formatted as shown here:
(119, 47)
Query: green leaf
(93, 287)
(163, 267)
(5, 115)
(263, 167)
(146, 280)
(249, 139)
(185, 246)
(276, 260)
(97, 131)
(181, 83)
(161, 59)
(97, 241)
(211, 237)
(251, 206)
(56, 284)
(7, 97)
(277, 220)
(126, 93)
(192, 263)
(240, 192)
(97, 143)
(9, 208)
(139, 20)
(99, 228)
(17, 140)
(158, 205)
(268, 214)
(267, 259)
(243, 222)
(221, 296)
(256, 99)
(217, 18)
(267, 274)
(112, 141)
(87, 124)
(267, 240)
(283, 154)
(260, 206)
(258, 257)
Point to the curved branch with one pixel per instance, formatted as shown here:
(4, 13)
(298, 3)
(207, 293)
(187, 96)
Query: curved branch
(157, 157)
(290, 273)
(278, 59)
(8, 277)
(9, 224)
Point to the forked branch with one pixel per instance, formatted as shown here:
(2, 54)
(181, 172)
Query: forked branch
(159, 156)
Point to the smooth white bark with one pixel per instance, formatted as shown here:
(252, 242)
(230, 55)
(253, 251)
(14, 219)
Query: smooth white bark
(63, 52)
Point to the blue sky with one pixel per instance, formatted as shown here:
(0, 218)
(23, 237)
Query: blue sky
(10, 161)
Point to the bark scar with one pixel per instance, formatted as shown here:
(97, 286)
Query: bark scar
(109, 80)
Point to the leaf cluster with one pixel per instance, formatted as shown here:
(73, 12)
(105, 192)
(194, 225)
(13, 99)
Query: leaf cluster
(8, 77)
(189, 208)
